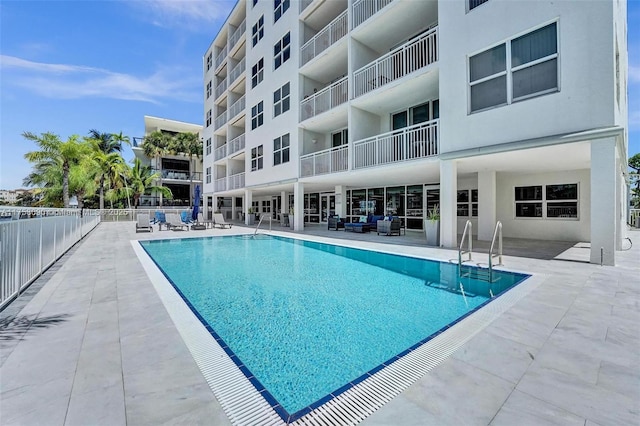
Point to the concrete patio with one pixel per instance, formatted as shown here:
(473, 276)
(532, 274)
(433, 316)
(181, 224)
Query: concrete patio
(91, 343)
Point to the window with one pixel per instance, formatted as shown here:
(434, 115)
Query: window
(208, 175)
(281, 100)
(255, 2)
(466, 204)
(208, 146)
(340, 138)
(279, 8)
(475, 3)
(562, 201)
(257, 73)
(208, 118)
(266, 206)
(256, 206)
(281, 51)
(257, 32)
(257, 116)
(209, 60)
(528, 201)
(209, 89)
(416, 115)
(256, 158)
(524, 67)
(281, 150)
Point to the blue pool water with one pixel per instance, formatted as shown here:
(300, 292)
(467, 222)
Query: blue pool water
(307, 318)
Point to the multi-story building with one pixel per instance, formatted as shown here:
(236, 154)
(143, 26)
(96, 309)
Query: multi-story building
(489, 110)
(178, 172)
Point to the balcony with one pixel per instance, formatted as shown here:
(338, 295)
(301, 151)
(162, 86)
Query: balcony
(330, 34)
(221, 120)
(220, 88)
(221, 56)
(411, 56)
(326, 99)
(411, 143)
(237, 107)
(220, 184)
(236, 144)
(365, 9)
(237, 34)
(220, 153)
(236, 181)
(236, 72)
(170, 174)
(330, 160)
(304, 4)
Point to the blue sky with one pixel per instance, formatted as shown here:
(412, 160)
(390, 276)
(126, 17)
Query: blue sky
(71, 66)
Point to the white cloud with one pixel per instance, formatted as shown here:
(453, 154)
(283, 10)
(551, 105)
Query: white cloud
(186, 14)
(634, 74)
(77, 81)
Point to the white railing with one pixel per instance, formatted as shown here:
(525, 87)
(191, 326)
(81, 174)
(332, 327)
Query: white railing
(326, 99)
(221, 184)
(333, 32)
(237, 34)
(236, 144)
(236, 72)
(221, 120)
(236, 181)
(28, 246)
(365, 9)
(330, 160)
(411, 56)
(304, 4)
(221, 56)
(220, 152)
(410, 143)
(220, 88)
(237, 107)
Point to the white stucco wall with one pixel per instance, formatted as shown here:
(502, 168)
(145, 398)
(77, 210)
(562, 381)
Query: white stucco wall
(586, 72)
(544, 229)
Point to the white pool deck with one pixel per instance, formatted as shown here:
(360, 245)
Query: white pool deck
(92, 344)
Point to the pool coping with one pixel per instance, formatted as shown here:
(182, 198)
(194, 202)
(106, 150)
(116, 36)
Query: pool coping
(244, 399)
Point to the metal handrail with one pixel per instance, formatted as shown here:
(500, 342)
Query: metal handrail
(468, 226)
(259, 222)
(496, 233)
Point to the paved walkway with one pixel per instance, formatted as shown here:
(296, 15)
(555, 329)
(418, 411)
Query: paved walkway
(96, 346)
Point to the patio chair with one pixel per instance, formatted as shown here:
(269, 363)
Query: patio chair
(218, 221)
(207, 223)
(161, 219)
(174, 222)
(334, 222)
(143, 223)
(185, 217)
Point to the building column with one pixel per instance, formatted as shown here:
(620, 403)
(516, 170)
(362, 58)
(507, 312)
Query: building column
(284, 203)
(448, 203)
(341, 201)
(248, 199)
(486, 205)
(298, 206)
(603, 201)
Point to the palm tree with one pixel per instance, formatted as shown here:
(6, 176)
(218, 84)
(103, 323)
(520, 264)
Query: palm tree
(141, 180)
(155, 145)
(189, 145)
(106, 141)
(111, 166)
(55, 152)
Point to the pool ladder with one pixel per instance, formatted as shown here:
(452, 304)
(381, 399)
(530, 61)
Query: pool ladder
(485, 274)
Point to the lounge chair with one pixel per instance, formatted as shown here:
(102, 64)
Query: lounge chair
(185, 217)
(334, 222)
(143, 223)
(161, 220)
(174, 222)
(201, 221)
(218, 221)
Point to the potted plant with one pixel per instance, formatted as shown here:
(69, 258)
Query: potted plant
(432, 226)
(291, 218)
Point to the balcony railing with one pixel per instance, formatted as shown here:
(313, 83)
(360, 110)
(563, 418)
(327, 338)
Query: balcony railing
(220, 88)
(237, 34)
(179, 174)
(237, 107)
(236, 71)
(236, 181)
(304, 4)
(410, 57)
(221, 120)
(330, 34)
(221, 184)
(326, 99)
(236, 144)
(220, 152)
(410, 143)
(330, 160)
(221, 56)
(365, 9)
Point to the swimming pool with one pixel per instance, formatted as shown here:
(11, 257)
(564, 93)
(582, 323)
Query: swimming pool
(306, 320)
